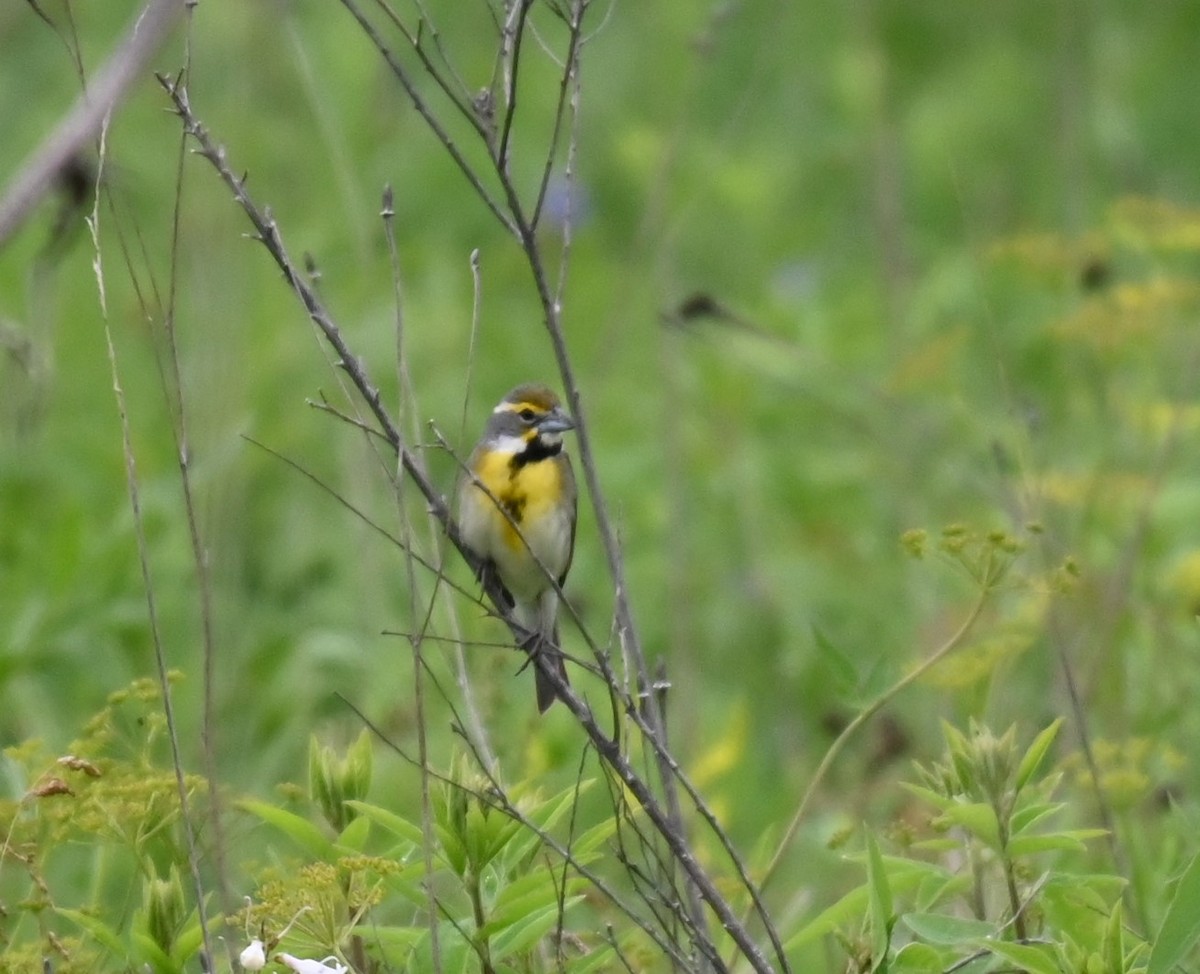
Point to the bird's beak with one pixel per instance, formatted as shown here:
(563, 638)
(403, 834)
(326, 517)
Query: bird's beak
(556, 421)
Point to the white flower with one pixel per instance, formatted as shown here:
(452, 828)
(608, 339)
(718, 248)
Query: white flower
(328, 965)
(254, 958)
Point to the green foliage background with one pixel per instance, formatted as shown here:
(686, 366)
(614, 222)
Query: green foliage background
(954, 247)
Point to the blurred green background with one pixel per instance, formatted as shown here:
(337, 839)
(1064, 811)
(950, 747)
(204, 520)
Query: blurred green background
(838, 270)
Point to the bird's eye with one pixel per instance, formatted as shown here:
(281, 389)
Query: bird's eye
(527, 415)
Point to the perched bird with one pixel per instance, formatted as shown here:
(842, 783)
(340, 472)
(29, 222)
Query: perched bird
(516, 511)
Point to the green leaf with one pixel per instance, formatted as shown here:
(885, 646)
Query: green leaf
(1031, 959)
(880, 904)
(1029, 816)
(1180, 928)
(455, 952)
(841, 666)
(395, 943)
(191, 937)
(936, 889)
(452, 849)
(390, 822)
(1035, 753)
(101, 931)
(599, 957)
(939, 928)
(919, 958)
(525, 895)
(354, 836)
(153, 955)
(410, 884)
(904, 875)
(1072, 839)
(977, 818)
(543, 818)
(1114, 942)
(934, 798)
(593, 838)
(299, 830)
(357, 770)
(529, 931)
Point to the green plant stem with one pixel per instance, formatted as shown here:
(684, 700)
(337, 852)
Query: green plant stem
(863, 716)
(481, 943)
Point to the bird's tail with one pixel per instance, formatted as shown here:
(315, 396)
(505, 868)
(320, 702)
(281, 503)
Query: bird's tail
(546, 653)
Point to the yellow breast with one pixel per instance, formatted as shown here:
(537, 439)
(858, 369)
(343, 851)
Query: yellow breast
(534, 497)
(528, 493)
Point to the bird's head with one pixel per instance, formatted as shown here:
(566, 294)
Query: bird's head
(530, 416)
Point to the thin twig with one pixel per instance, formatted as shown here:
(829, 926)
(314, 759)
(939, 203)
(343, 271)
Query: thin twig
(511, 39)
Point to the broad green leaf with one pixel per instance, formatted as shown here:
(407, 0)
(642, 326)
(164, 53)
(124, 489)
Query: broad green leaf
(453, 851)
(299, 830)
(948, 844)
(524, 896)
(101, 931)
(544, 818)
(396, 944)
(904, 876)
(455, 953)
(1029, 816)
(153, 955)
(1068, 894)
(188, 942)
(529, 931)
(937, 889)
(1035, 753)
(1025, 957)
(977, 818)
(939, 928)
(919, 958)
(593, 838)
(1180, 928)
(191, 937)
(410, 884)
(600, 957)
(354, 836)
(1073, 839)
(934, 798)
(391, 822)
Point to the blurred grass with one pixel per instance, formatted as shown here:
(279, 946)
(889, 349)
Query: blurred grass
(941, 311)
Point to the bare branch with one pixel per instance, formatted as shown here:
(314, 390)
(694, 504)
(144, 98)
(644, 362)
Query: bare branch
(511, 38)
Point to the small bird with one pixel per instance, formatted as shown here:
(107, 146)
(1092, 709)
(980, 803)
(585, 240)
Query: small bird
(517, 513)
